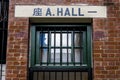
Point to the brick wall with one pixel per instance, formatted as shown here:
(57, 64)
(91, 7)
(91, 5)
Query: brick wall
(106, 36)
(106, 48)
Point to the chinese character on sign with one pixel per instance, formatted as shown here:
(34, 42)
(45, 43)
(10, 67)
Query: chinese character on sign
(37, 12)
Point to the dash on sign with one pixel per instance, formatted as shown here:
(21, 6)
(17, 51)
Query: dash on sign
(92, 11)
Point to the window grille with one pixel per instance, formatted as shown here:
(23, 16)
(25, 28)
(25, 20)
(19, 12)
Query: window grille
(60, 48)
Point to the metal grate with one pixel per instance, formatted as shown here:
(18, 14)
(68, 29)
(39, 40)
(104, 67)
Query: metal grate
(59, 52)
(58, 73)
(60, 47)
(3, 36)
(60, 76)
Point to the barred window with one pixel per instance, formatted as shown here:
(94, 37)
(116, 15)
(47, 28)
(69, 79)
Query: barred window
(60, 52)
(60, 45)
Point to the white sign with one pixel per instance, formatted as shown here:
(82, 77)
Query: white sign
(61, 11)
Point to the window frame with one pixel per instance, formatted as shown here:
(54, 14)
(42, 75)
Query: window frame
(88, 48)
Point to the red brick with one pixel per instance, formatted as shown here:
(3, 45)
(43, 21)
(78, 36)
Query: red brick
(105, 63)
(100, 76)
(113, 76)
(99, 68)
(16, 79)
(9, 67)
(96, 55)
(11, 75)
(117, 72)
(8, 78)
(111, 59)
(111, 51)
(104, 55)
(111, 72)
(112, 67)
(16, 63)
(98, 51)
(105, 51)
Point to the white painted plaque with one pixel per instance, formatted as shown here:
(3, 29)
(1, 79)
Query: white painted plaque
(61, 11)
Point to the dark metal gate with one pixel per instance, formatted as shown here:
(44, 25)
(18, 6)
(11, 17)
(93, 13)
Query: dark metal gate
(60, 52)
(4, 4)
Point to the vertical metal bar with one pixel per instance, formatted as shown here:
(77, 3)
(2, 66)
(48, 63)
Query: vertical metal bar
(37, 75)
(72, 41)
(74, 75)
(54, 46)
(90, 74)
(49, 75)
(67, 48)
(55, 75)
(1, 56)
(74, 47)
(61, 47)
(80, 75)
(89, 47)
(40, 51)
(4, 21)
(30, 75)
(32, 45)
(38, 61)
(73, 53)
(49, 53)
(62, 75)
(41, 48)
(49, 47)
(43, 75)
(2, 50)
(0, 71)
(81, 49)
(68, 76)
(84, 56)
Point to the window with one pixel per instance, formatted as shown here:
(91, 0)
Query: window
(60, 45)
(60, 52)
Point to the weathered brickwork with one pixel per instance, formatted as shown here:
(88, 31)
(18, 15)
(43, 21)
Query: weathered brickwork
(106, 40)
